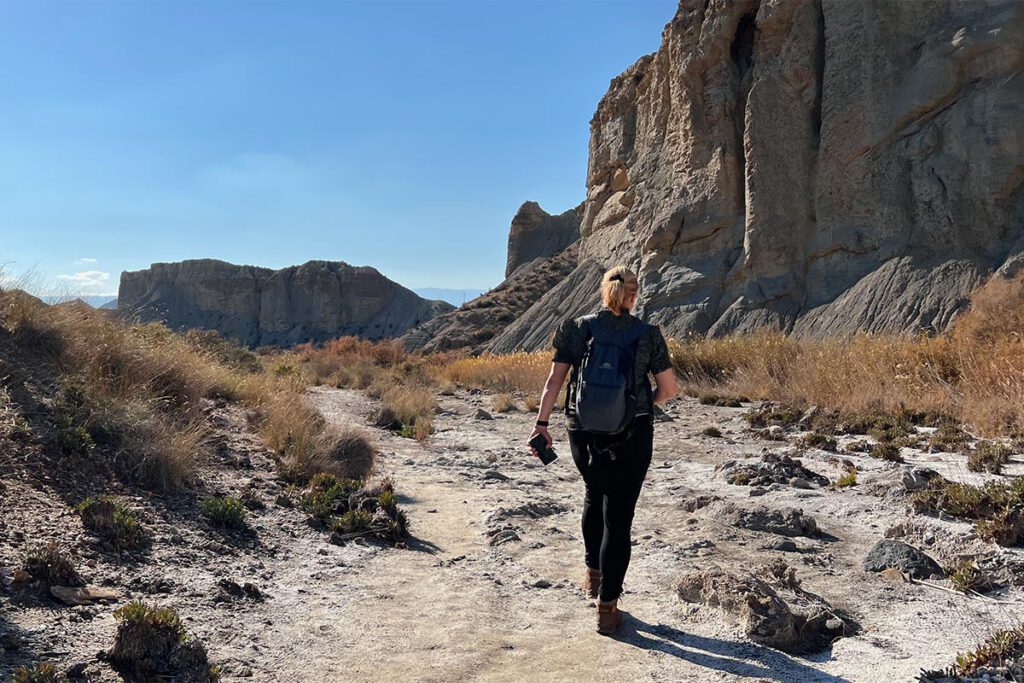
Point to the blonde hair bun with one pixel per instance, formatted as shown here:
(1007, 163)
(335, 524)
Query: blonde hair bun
(618, 286)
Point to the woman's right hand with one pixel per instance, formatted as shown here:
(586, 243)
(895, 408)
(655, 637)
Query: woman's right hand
(539, 430)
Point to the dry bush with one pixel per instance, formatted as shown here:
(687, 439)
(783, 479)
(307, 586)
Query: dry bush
(973, 373)
(410, 403)
(503, 402)
(522, 372)
(348, 362)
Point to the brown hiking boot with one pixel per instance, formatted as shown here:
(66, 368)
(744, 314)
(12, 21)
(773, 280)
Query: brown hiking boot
(608, 617)
(592, 583)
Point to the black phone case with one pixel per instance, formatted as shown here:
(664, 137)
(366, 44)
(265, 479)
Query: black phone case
(547, 455)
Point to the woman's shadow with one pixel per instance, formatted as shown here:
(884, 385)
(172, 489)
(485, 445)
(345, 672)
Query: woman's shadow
(735, 657)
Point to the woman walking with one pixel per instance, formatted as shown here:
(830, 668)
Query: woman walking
(609, 406)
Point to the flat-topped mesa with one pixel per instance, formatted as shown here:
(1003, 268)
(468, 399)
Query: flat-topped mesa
(313, 302)
(535, 233)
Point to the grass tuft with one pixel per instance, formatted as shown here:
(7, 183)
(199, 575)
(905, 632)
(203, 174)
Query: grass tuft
(51, 565)
(111, 521)
(226, 512)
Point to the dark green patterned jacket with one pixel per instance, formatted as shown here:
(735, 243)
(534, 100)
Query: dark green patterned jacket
(652, 356)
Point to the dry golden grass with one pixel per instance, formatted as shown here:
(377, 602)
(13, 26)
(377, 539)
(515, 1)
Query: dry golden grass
(138, 392)
(348, 362)
(515, 372)
(975, 372)
(503, 402)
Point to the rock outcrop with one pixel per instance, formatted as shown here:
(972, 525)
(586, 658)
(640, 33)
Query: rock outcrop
(316, 301)
(817, 167)
(537, 234)
(474, 325)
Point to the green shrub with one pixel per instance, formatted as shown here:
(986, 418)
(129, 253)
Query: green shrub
(51, 565)
(997, 650)
(73, 439)
(886, 451)
(720, 400)
(43, 672)
(771, 414)
(848, 479)
(988, 456)
(817, 440)
(224, 512)
(949, 437)
(151, 644)
(967, 576)
(353, 521)
(328, 495)
(111, 521)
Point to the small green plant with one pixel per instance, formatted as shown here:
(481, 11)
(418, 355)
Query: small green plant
(818, 440)
(51, 565)
(999, 648)
(886, 451)
(151, 643)
(353, 521)
(138, 615)
(43, 672)
(73, 439)
(407, 431)
(111, 520)
(224, 512)
(713, 432)
(995, 507)
(771, 414)
(720, 400)
(968, 577)
(848, 479)
(988, 456)
(881, 426)
(328, 495)
(949, 437)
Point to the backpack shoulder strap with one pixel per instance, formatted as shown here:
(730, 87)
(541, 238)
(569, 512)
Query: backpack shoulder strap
(633, 334)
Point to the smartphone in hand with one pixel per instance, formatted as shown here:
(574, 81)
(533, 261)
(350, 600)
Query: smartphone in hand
(546, 453)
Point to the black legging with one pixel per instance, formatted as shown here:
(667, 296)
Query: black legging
(612, 489)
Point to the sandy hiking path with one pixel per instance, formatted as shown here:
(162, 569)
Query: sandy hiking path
(489, 588)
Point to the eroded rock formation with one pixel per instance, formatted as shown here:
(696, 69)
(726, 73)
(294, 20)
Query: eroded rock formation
(537, 234)
(813, 166)
(316, 301)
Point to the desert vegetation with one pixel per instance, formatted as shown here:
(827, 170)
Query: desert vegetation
(973, 374)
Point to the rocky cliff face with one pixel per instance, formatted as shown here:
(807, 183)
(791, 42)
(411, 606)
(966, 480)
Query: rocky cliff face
(316, 301)
(537, 234)
(812, 166)
(818, 167)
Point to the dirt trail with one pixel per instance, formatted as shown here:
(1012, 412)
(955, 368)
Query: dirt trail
(488, 588)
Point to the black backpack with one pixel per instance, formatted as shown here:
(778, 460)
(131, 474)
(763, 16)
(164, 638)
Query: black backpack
(605, 392)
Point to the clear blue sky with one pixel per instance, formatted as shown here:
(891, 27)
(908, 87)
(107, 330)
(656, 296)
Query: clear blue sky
(402, 135)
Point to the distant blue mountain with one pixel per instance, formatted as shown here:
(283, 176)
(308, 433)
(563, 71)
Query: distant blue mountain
(95, 301)
(456, 297)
